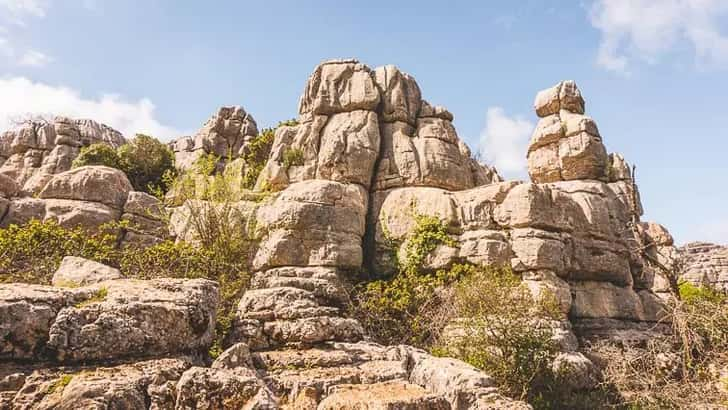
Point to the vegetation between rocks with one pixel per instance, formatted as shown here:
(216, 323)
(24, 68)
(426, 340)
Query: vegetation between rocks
(147, 162)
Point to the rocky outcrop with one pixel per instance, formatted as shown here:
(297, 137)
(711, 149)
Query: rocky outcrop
(107, 320)
(75, 271)
(705, 264)
(88, 197)
(36, 150)
(225, 135)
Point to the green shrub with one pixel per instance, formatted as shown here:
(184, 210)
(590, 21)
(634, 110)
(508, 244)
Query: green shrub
(692, 294)
(32, 253)
(256, 156)
(292, 156)
(97, 154)
(145, 160)
(503, 330)
(399, 309)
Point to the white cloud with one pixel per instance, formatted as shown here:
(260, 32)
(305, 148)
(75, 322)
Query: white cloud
(22, 97)
(504, 141)
(33, 58)
(648, 29)
(15, 11)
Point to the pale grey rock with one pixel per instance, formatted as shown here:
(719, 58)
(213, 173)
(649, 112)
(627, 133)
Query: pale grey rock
(22, 210)
(563, 96)
(139, 385)
(395, 395)
(224, 389)
(576, 371)
(108, 320)
(70, 213)
(8, 187)
(101, 184)
(401, 96)
(338, 86)
(75, 271)
(705, 264)
(593, 300)
(349, 147)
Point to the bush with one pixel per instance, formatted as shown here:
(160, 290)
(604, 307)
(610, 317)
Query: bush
(399, 309)
(292, 156)
(501, 329)
(256, 156)
(32, 253)
(97, 154)
(147, 162)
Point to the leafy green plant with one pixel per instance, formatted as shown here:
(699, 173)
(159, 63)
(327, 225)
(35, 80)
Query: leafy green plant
(31, 253)
(503, 330)
(292, 157)
(256, 156)
(97, 154)
(399, 309)
(147, 162)
(59, 384)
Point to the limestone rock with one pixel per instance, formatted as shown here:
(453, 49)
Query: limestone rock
(401, 96)
(338, 86)
(225, 135)
(112, 319)
(576, 371)
(395, 395)
(224, 389)
(349, 147)
(101, 184)
(566, 144)
(705, 264)
(140, 385)
(75, 271)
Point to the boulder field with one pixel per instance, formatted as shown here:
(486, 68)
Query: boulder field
(365, 156)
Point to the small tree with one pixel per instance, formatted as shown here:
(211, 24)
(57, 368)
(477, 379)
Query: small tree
(145, 160)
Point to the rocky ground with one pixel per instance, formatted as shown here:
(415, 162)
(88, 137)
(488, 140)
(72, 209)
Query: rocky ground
(366, 155)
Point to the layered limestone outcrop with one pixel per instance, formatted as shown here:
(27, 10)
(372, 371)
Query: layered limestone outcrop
(367, 155)
(705, 264)
(36, 150)
(225, 135)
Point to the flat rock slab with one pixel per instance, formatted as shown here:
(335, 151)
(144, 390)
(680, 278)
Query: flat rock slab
(107, 320)
(395, 395)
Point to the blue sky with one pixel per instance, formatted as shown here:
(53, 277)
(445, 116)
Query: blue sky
(654, 73)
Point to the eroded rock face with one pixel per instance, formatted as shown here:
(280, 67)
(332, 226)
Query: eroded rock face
(566, 144)
(35, 151)
(705, 264)
(225, 135)
(112, 319)
(75, 271)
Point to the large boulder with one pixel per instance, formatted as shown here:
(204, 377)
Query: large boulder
(75, 271)
(107, 320)
(105, 185)
(566, 144)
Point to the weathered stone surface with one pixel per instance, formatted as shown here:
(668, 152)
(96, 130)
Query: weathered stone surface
(338, 86)
(225, 135)
(75, 271)
(705, 264)
(603, 300)
(112, 319)
(224, 389)
(70, 213)
(8, 187)
(349, 147)
(566, 144)
(576, 371)
(401, 96)
(101, 184)
(22, 210)
(392, 395)
(563, 96)
(36, 150)
(140, 385)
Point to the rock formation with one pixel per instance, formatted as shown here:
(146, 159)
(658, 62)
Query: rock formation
(37, 150)
(705, 264)
(367, 155)
(225, 135)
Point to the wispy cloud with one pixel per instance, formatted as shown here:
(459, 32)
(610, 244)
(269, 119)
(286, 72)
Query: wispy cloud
(23, 97)
(15, 14)
(504, 141)
(646, 30)
(33, 58)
